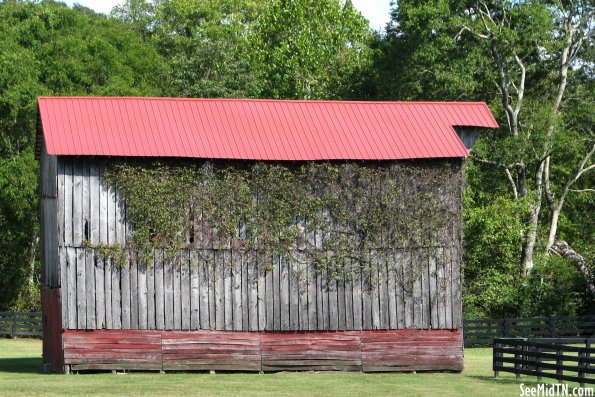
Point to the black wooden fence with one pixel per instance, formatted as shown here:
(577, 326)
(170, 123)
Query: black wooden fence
(556, 358)
(20, 324)
(483, 332)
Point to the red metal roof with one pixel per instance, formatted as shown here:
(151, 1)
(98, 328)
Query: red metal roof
(254, 129)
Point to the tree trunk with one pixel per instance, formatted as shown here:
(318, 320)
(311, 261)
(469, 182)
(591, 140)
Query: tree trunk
(564, 250)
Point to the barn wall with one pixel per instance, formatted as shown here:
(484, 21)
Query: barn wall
(418, 289)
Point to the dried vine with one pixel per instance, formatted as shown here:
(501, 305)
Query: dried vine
(330, 215)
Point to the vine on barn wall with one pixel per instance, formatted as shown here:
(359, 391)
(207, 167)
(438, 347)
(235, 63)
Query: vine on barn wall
(331, 215)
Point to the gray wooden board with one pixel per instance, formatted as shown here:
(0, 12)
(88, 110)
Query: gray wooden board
(392, 293)
(293, 280)
(68, 204)
(448, 285)
(77, 204)
(333, 312)
(366, 298)
(440, 287)
(324, 283)
(270, 301)
(319, 301)
(134, 291)
(71, 262)
(341, 304)
(150, 282)
(48, 172)
(375, 300)
(408, 281)
(64, 287)
(425, 288)
(399, 289)
(357, 297)
(245, 288)
(457, 315)
(263, 301)
(312, 298)
(236, 291)
(194, 291)
(94, 201)
(103, 205)
(276, 294)
(227, 290)
(212, 271)
(219, 292)
(302, 279)
(177, 264)
(159, 291)
(60, 216)
(100, 304)
(253, 302)
(203, 292)
(141, 287)
(112, 208)
(86, 201)
(383, 295)
(116, 295)
(81, 296)
(125, 293)
(433, 292)
(416, 272)
(168, 291)
(107, 283)
(185, 290)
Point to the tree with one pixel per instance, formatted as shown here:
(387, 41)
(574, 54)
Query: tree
(49, 49)
(311, 49)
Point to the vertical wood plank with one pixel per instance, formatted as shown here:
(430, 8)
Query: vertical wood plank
(116, 273)
(276, 294)
(168, 287)
(263, 299)
(383, 294)
(111, 217)
(143, 315)
(400, 289)
(107, 288)
(302, 273)
(424, 264)
(227, 291)
(150, 276)
(213, 277)
(349, 312)
(194, 291)
(125, 293)
(81, 295)
(100, 305)
(103, 205)
(177, 280)
(203, 292)
(134, 293)
(293, 295)
(236, 285)
(367, 298)
(375, 301)
(457, 315)
(357, 298)
(325, 284)
(312, 298)
(320, 292)
(245, 288)
(61, 207)
(94, 217)
(77, 203)
(64, 287)
(71, 261)
(440, 286)
(408, 287)
(433, 292)
(68, 204)
(270, 299)
(253, 293)
(159, 291)
(341, 304)
(219, 292)
(333, 313)
(185, 289)
(392, 293)
(448, 289)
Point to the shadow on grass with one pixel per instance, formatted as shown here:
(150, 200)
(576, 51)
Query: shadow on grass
(28, 365)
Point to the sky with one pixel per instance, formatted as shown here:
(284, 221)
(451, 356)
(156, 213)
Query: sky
(376, 11)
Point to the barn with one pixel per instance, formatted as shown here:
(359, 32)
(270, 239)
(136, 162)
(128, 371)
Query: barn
(252, 235)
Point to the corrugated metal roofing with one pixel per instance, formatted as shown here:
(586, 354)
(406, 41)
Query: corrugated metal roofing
(253, 129)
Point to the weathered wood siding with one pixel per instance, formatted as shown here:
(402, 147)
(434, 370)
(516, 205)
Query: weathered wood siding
(219, 289)
(368, 351)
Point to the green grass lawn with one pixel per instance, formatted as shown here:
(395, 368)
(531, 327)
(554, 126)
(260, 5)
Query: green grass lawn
(21, 375)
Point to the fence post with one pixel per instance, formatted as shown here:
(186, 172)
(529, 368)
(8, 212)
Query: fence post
(581, 367)
(552, 327)
(505, 328)
(516, 360)
(559, 370)
(538, 363)
(495, 356)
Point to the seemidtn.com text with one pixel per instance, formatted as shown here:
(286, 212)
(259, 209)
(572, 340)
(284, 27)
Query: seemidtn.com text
(557, 389)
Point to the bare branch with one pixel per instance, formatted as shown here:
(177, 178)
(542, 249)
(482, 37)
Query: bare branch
(512, 183)
(521, 88)
(582, 190)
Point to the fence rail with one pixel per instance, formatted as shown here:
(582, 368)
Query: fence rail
(21, 324)
(483, 332)
(556, 358)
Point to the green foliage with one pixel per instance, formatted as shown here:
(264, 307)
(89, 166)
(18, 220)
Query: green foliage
(326, 214)
(49, 49)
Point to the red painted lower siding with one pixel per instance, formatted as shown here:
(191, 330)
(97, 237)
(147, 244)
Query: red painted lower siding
(369, 351)
(53, 358)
